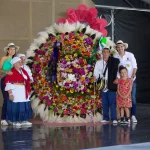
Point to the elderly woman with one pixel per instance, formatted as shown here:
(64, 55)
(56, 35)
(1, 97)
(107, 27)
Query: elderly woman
(24, 66)
(5, 67)
(18, 87)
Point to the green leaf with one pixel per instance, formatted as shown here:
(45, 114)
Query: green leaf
(60, 111)
(51, 107)
(78, 112)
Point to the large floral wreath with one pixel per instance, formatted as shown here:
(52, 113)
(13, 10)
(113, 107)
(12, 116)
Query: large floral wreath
(62, 59)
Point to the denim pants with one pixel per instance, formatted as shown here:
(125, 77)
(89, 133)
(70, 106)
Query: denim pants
(109, 102)
(4, 93)
(133, 109)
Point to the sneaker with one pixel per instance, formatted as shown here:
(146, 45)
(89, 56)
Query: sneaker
(119, 120)
(17, 124)
(134, 120)
(10, 123)
(26, 123)
(127, 121)
(104, 121)
(122, 121)
(4, 123)
(115, 121)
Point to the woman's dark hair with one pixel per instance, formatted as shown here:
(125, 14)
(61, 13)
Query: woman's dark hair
(121, 68)
(9, 48)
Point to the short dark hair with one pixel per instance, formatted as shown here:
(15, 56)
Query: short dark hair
(121, 68)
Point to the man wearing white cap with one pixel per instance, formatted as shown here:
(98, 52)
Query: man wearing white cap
(128, 60)
(23, 60)
(18, 87)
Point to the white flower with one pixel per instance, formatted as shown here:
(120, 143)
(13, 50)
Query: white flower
(71, 77)
(82, 87)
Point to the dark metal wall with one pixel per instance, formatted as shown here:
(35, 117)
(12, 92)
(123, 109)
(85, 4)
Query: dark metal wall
(133, 27)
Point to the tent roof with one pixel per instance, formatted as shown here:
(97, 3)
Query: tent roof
(143, 4)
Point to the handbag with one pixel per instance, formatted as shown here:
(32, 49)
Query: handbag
(101, 83)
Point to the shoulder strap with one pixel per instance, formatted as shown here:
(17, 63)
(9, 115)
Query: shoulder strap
(105, 70)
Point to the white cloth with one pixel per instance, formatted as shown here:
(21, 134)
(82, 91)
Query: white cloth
(99, 70)
(128, 61)
(18, 92)
(9, 86)
(20, 55)
(14, 60)
(27, 69)
(24, 76)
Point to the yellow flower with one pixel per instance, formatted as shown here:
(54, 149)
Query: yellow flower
(71, 90)
(69, 70)
(75, 55)
(88, 90)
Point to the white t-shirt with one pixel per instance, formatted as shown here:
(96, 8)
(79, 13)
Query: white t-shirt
(128, 61)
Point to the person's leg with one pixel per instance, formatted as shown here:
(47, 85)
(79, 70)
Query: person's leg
(105, 105)
(127, 112)
(133, 109)
(127, 115)
(112, 104)
(122, 112)
(4, 107)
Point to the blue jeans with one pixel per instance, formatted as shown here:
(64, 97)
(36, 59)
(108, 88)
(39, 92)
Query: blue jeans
(133, 109)
(4, 93)
(109, 101)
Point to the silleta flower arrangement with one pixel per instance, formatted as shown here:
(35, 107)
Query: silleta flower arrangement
(62, 59)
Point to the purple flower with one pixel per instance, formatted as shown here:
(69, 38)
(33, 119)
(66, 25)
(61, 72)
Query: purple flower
(63, 61)
(81, 71)
(40, 52)
(66, 84)
(75, 85)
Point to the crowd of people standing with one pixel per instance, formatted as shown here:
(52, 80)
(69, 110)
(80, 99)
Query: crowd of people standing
(15, 86)
(119, 96)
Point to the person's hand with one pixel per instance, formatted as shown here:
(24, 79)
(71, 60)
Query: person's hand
(11, 97)
(9, 72)
(133, 76)
(115, 81)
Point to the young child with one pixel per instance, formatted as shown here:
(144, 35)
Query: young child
(124, 102)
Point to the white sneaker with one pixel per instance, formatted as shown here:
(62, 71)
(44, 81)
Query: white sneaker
(26, 123)
(4, 123)
(134, 120)
(10, 123)
(115, 122)
(104, 121)
(17, 124)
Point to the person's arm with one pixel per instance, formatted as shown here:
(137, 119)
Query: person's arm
(11, 96)
(97, 71)
(134, 65)
(1, 64)
(119, 93)
(118, 74)
(134, 73)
